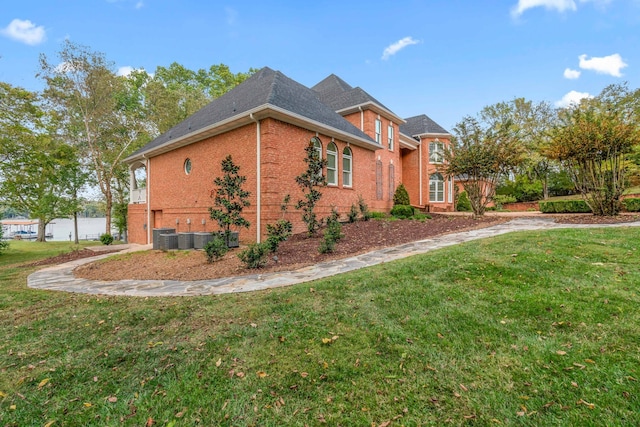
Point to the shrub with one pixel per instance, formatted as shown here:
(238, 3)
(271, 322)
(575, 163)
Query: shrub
(501, 199)
(378, 215)
(332, 234)
(255, 256)
(631, 204)
(364, 209)
(310, 181)
(106, 239)
(402, 211)
(401, 196)
(278, 233)
(464, 204)
(420, 216)
(564, 206)
(215, 248)
(353, 214)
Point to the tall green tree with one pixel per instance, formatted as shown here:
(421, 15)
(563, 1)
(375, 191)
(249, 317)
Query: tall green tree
(592, 141)
(483, 151)
(96, 114)
(230, 199)
(310, 182)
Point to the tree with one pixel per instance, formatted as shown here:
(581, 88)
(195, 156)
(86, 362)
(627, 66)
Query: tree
(97, 116)
(401, 196)
(39, 174)
(309, 182)
(592, 140)
(4, 245)
(230, 199)
(532, 122)
(483, 152)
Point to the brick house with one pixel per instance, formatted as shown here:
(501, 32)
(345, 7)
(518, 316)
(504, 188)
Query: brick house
(265, 123)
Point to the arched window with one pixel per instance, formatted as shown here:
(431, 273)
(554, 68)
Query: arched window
(317, 145)
(436, 188)
(347, 164)
(332, 164)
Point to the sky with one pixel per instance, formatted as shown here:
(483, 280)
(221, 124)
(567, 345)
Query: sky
(444, 58)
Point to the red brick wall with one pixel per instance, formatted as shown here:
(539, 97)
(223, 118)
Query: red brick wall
(137, 218)
(386, 156)
(174, 195)
(430, 168)
(411, 174)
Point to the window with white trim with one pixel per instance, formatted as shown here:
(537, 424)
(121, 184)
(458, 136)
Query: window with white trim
(347, 167)
(332, 164)
(378, 131)
(390, 136)
(450, 190)
(436, 188)
(436, 152)
(317, 145)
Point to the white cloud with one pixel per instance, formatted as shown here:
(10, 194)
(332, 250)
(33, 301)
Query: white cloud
(611, 64)
(394, 48)
(124, 71)
(559, 5)
(140, 4)
(572, 98)
(571, 74)
(25, 32)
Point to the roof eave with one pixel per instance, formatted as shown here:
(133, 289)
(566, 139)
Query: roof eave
(249, 116)
(374, 107)
(432, 135)
(408, 142)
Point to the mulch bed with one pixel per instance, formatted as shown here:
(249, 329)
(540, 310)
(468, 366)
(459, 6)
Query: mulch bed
(69, 256)
(299, 251)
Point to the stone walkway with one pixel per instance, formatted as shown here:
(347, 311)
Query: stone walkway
(61, 278)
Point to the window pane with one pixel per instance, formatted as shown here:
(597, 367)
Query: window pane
(331, 160)
(331, 176)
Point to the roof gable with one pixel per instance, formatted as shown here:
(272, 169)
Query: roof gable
(420, 125)
(266, 88)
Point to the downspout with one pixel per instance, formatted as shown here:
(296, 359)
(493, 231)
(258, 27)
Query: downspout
(420, 170)
(148, 191)
(258, 179)
(361, 118)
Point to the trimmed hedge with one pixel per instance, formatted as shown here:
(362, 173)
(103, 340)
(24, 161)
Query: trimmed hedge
(564, 206)
(631, 204)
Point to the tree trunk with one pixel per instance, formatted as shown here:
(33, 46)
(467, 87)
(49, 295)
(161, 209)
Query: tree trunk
(109, 203)
(41, 231)
(75, 227)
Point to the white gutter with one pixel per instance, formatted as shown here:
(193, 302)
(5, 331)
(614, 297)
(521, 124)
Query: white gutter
(180, 141)
(361, 118)
(148, 166)
(378, 107)
(258, 179)
(420, 171)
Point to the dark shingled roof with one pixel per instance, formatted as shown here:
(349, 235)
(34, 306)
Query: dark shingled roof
(265, 87)
(338, 94)
(419, 125)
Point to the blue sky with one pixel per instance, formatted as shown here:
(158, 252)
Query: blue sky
(446, 59)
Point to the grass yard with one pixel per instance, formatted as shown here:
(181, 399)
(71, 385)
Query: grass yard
(537, 328)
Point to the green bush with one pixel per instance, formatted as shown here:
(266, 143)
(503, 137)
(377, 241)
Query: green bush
(353, 214)
(106, 239)
(255, 256)
(631, 204)
(501, 199)
(402, 211)
(332, 234)
(420, 216)
(278, 233)
(401, 196)
(378, 215)
(3, 243)
(464, 204)
(364, 209)
(564, 206)
(215, 248)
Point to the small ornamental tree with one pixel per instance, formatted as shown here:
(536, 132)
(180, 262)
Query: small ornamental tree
(230, 199)
(592, 141)
(309, 182)
(3, 243)
(482, 153)
(401, 196)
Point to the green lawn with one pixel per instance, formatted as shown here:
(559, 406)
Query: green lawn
(537, 328)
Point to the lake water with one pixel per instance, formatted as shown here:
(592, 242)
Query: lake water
(88, 228)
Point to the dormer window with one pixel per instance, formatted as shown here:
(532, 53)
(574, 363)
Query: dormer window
(390, 136)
